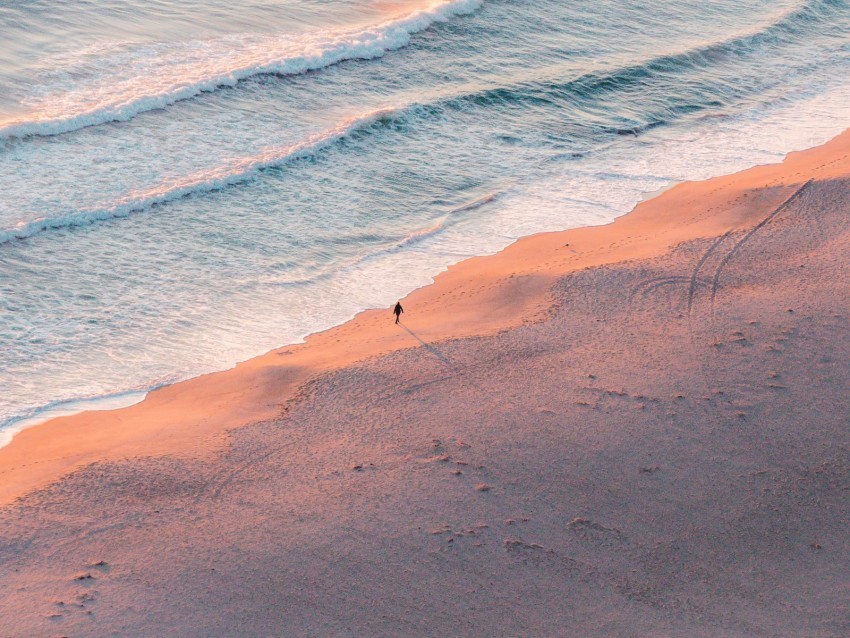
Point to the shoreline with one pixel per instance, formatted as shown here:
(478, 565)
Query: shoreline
(71, 407)
(659, 446)
(477, 297)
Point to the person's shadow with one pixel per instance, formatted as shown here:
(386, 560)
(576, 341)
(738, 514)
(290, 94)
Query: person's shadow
(433, 350)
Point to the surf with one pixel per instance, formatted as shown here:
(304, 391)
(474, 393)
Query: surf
(227, 173)
(546, 88)
(133, 80)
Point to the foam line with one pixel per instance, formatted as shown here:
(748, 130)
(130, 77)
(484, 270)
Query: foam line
(120, 86)
(226, 174)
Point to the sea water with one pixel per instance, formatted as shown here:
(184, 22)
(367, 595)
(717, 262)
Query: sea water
(184, 185)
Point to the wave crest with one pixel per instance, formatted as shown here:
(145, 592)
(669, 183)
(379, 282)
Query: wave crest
(123, 85)
(226, 174)
(586, 89)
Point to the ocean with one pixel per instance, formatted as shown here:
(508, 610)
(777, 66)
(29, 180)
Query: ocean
(189, 184)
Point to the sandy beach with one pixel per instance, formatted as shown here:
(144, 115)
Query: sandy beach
(638, 429)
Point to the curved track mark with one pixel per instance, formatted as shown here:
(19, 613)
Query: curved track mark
(671, 281)
(746, 238)
(224, 479)
(695, 274)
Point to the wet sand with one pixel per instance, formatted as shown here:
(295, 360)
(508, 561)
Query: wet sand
(635, 429)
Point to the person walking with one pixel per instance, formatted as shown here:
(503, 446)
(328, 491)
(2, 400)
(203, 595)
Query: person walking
(398, 310)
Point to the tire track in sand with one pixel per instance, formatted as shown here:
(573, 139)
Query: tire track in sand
(716, 281)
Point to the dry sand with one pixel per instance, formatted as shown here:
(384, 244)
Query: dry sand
(641, 429)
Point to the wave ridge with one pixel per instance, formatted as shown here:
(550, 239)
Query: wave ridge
(226, 174)
(161, 75)
(785, 28)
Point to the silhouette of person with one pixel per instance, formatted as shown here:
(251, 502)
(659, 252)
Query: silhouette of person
(398, 310)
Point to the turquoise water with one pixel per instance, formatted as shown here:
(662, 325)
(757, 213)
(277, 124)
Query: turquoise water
(187, 185)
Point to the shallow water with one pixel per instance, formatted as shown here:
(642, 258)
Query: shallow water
(187, 185)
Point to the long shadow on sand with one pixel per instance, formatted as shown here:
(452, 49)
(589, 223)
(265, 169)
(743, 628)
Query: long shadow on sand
(432, 349)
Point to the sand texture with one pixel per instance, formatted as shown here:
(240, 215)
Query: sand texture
(635, 430)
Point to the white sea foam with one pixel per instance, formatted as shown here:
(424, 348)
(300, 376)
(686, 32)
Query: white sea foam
(166, 297)
(69, 408)
(227, 173)
(441, 224)
(133, 79)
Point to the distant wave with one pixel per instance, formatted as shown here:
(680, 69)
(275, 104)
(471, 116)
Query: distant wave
(390, 245)
(420, 235)
(227, 174)
(808, 18)
(126, 83)
(441, 224)
(476, 203)
(438, 226)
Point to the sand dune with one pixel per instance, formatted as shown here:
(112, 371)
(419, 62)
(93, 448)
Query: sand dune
(633, 430)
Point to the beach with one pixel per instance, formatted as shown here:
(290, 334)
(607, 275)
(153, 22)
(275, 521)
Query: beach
(636, 429)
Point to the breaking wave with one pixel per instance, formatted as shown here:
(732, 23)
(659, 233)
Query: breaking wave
(134, 79)
(228, 173)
